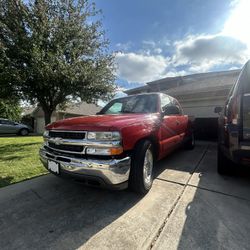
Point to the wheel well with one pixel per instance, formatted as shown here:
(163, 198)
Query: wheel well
(154, 142)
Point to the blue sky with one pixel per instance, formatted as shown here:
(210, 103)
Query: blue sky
(160, 38)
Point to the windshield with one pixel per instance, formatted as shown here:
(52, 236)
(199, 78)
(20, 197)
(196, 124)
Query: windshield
(132, 104)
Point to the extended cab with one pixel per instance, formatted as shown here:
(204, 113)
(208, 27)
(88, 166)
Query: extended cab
(117, 147)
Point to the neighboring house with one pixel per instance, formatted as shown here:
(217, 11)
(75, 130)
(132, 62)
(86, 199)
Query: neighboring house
(35, 116)
(198, 94)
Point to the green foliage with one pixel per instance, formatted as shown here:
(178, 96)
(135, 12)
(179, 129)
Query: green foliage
(10, 110)
(54, 50)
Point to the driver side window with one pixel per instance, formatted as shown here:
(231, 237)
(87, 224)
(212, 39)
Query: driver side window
(165, 101)
(170, 106)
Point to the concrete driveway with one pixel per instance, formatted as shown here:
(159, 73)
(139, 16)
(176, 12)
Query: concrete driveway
(189, 207)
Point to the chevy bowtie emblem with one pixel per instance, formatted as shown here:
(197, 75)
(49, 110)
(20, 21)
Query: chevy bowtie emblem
(56, 140)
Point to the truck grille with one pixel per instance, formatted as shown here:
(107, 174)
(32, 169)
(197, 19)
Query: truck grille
(68, 135)
(69, 148)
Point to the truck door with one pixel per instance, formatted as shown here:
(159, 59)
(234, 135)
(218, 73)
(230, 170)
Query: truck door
(169, 134)
(181, 120)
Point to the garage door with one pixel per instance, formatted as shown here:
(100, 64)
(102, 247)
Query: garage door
(40, 125)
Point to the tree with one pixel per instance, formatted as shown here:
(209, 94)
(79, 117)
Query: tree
(52, 51)
(10, 109)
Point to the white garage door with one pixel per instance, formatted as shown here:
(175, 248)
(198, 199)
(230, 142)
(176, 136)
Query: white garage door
(40, 124)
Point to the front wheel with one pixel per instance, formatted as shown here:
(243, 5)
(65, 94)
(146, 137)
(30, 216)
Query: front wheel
(24, 132)
(141, 173)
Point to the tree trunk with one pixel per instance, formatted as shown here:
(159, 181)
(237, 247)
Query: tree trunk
(47, 117)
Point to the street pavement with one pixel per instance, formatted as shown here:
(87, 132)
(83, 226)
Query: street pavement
(189, 207)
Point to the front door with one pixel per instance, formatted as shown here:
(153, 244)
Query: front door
(169, 131)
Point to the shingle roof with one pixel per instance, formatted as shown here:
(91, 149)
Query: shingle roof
(190, 83)
(82, 108)
(28, 111)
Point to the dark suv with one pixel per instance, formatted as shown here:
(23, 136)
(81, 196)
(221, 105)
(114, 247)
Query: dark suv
(234, 125)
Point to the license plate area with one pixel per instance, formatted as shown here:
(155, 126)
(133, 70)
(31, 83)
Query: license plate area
(53, 167)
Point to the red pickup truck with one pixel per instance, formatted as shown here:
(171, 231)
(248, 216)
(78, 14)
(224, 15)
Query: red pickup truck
(117, 147)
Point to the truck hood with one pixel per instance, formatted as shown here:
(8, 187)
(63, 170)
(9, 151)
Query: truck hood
(102, 122)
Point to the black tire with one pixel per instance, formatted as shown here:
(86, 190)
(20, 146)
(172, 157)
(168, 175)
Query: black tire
(23, 132)
(224, 165)
(190, 143)
(137, 180)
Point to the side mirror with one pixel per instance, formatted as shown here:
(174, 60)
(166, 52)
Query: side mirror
(217, 110)
(171, 110)
(16, 123)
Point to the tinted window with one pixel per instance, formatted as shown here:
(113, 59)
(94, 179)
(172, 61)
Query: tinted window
(246, 78)
(243, 83)
(246, 117)
(165, 101)
(6, 122)
(176, 103)
(132, 104)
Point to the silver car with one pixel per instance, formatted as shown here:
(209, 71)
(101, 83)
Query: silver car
(10, 127)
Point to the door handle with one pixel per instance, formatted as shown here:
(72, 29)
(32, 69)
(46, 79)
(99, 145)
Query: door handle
(177, 122)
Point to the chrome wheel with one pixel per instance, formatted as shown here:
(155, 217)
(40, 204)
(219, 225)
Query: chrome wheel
(148, 167)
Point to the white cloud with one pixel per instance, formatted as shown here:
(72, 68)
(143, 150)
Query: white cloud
(203, 52)
(193, 54)
(150, 47)
(135, 67)
(124, 46)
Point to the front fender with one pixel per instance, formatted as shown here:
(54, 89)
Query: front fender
(135, 132)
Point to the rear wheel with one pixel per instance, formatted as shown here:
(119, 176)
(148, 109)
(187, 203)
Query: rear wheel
(224, 165)
(141, 173)
(24, 132)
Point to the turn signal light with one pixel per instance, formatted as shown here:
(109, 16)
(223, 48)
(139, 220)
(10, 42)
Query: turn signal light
(116, 151)
(104, 151)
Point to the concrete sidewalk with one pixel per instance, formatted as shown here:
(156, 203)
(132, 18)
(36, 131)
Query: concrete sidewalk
(189, 207)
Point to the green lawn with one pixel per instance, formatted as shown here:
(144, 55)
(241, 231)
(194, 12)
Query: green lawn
(19, 159)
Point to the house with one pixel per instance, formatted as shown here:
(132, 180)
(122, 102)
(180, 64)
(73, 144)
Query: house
(35, 116)
(198, 94)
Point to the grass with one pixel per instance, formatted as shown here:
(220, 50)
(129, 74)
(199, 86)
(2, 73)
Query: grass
(19, 159)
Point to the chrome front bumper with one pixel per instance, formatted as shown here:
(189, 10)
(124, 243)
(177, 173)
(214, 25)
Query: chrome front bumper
(111, 172)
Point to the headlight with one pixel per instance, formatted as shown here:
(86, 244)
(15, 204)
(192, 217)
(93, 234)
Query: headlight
(46, 133)
(104, 136)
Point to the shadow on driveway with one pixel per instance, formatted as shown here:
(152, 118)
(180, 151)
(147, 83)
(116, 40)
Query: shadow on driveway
(61, 215)
(214, 210)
